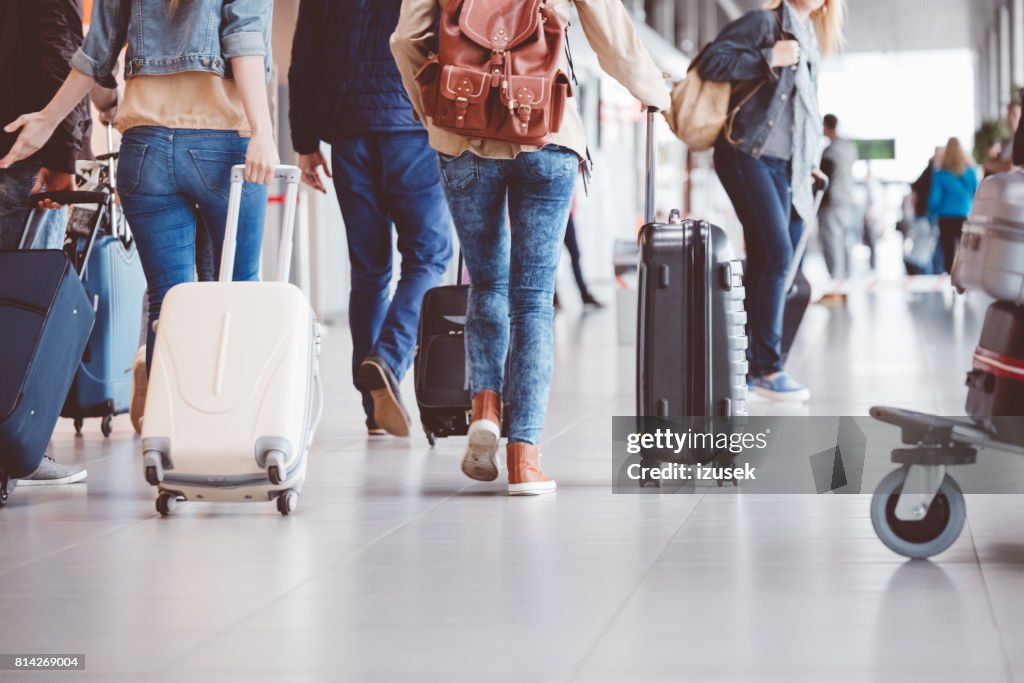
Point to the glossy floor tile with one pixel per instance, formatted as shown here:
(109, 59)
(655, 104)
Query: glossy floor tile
(397, 568)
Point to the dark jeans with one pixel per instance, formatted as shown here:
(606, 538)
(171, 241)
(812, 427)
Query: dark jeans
(760, 190)
(574, 255)
(164, 176)
(511, 216)
(950, 228)
(384, 179)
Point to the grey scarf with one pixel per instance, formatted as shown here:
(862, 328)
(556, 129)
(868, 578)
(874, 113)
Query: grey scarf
(807, 131)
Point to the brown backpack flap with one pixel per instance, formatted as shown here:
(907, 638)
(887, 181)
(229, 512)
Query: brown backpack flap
(497, 74)
(500, 24)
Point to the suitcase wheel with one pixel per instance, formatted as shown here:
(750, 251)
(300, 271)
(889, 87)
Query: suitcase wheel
(78, 426)
(5, 490)
(166, 502)
(107, 425)
(287, 502)
(431, 439)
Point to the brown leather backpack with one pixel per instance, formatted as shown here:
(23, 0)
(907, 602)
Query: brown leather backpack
(497, 73)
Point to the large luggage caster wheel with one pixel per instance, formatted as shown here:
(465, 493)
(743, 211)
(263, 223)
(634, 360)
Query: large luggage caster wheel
(166, 502)
(287, 502)
(5, 491)
(274, 474)
(79, 422)
(431, 439)
(939, 528)
(152, 475)
(107, 425)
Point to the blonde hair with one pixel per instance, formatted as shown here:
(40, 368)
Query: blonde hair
(955, 159)
(829, 22)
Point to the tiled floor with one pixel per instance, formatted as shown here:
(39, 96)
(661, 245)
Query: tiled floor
(396, 567)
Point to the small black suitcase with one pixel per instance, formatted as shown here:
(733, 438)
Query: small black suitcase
(45, 321)
(691, 338)
(439, 369)
(995, 395)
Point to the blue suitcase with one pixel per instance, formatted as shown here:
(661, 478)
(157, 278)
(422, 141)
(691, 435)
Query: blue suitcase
(45, 321)
(116, 285)
(111, 273)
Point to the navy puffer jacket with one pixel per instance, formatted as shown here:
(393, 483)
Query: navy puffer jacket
(343, 79)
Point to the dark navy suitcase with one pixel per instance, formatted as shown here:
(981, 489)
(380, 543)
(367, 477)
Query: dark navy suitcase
(116, 285)
(691, 332)
(45, 321)
(442, 387)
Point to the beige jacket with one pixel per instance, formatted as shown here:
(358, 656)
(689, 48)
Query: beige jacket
(609, 31)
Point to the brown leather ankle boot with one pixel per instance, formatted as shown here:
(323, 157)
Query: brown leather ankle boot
(525, 477)
(481, 459)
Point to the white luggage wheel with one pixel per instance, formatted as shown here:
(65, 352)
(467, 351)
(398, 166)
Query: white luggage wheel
(287, 502)
(166, 502)
(153, 462)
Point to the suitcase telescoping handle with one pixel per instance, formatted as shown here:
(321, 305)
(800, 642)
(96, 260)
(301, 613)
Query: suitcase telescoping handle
(820, 188)
(649, 168)
(291, 176)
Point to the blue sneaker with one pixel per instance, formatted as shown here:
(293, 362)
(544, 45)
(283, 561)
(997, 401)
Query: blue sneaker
(781, 388)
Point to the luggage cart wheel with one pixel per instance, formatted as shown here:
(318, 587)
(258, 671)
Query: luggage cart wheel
(166, 502)
(274, 474)
(933, 533)
(152, 475)
(78, 426)
(107, 425)
(5, 490)
(431, 439)
(287, 502)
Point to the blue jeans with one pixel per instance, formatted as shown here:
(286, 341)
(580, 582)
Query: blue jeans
(164, 176)
(47, 230)
(761, 193)
(383, 179)
(510, 215)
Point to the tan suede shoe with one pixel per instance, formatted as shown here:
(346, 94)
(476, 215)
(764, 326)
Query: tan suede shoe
(481, 459)
(525, 477)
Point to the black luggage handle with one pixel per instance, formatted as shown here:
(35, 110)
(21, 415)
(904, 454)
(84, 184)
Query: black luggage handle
(69, 197)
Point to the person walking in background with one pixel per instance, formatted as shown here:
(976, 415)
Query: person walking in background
(511, 204)
(1000, 156)
(839, 210)
(951, 198)
(37, 39)
(767, 160)
(346, 90)
(193, 108)
(573, 246)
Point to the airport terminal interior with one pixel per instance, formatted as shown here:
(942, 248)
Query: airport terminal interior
(396, 567)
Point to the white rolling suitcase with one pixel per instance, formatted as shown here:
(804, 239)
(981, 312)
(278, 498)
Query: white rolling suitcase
(991, 253)
(234, 391)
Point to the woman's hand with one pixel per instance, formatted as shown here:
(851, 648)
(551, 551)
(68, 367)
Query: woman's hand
(309, 163)
(261, 159)
(785, 53)
(36, 128)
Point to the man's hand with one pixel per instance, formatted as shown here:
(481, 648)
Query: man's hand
(49, 180)
(36, 128)
(309, 163)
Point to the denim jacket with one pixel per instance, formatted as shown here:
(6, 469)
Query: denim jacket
(200, 35)
(742, 54)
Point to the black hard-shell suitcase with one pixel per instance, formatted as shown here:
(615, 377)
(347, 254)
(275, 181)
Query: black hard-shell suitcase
(441, 381)
(996, 380)
(691, 341)
(45, 321)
